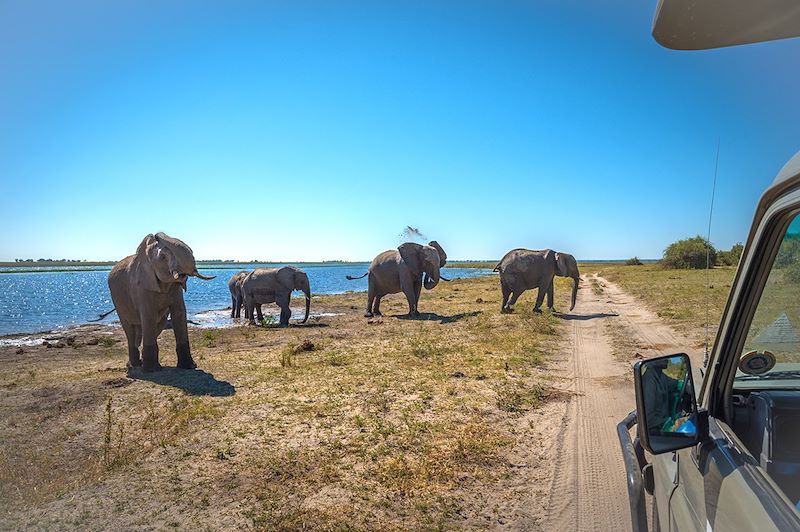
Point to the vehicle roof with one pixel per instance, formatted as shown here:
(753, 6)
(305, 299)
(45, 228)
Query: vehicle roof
(702, 24)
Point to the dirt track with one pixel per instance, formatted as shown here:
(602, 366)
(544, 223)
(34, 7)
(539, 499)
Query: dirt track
(588, 489)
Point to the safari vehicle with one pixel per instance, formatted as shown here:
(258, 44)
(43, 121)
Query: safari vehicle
(725, 451)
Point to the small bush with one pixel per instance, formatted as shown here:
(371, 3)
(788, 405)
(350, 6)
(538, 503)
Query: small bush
(689, 253)
(633, 261)
(730, 258)
(286, 357)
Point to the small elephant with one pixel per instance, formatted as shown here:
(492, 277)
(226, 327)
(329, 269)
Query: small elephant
(405, 269)
(147, 287)
(524, 269)
(235, 288)
(274, 285)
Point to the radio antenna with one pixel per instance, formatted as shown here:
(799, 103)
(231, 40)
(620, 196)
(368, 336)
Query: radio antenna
(708, 254)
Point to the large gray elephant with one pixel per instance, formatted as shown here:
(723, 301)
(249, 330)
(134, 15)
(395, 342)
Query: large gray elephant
(235, 288)
(148, 286)
(274, 285)
(405, 269)
(524, 269)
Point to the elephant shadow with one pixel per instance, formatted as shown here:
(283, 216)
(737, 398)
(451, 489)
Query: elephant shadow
(432, 316)
(584, 317)
(192, 382)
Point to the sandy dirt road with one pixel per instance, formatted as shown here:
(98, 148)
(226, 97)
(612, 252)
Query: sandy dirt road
(588, 489)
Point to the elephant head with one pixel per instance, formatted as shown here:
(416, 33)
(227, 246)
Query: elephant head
(425, 260)
(293, 279)
(567, 266)
(163, 260)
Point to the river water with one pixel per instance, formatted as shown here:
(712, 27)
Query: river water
(40, 301)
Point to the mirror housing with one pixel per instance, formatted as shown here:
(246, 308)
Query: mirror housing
(666, 407)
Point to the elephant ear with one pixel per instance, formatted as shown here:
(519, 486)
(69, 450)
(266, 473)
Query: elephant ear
(285, 277)
(144, 274)
(442, 255)
(412, 255)
(562, 265)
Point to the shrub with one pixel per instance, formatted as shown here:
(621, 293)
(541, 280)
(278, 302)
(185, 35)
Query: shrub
(730, 258)
(689, 253)
(633, 261)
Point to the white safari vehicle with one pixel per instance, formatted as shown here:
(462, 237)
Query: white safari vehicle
(724, 450)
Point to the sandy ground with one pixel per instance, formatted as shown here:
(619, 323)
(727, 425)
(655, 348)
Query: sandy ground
(442, 438)
(588, 489)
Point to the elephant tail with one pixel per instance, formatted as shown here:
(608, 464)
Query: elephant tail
(351, 278)
(101, 316)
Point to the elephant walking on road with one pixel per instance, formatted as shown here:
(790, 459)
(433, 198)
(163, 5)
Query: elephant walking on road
(274, 285)
(524, 269)
(405, 269)
(147, 287)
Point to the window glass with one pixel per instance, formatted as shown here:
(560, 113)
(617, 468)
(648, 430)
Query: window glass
(772, 348)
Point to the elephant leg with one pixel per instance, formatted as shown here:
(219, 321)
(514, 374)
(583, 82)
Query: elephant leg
(233, 307)
(376, 309)
(149, 345)
(181, 330)
(249, 309)
(513, 300)
(134, 360)
(417, 292)
(539, 298)
(550, 296)
(506, 291)
(286, 312)
(259, 315)
(408, 290)
(370, 300)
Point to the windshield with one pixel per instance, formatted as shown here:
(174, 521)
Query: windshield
(772, 348)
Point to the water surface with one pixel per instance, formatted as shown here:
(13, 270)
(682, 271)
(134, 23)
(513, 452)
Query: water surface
(43, 301)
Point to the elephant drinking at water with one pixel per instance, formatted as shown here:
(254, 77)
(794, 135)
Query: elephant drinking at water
(274, 285)
(148, 286)
(524, 269)
(405, 269)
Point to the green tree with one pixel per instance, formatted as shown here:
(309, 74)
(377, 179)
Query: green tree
(689, 253)
(730, 258)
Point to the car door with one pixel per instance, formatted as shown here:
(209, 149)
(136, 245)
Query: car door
(720, 485)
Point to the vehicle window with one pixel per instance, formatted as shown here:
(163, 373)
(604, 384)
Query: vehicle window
(772, 348)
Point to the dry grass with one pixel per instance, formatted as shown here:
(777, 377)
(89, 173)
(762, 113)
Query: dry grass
(678, 297)
(342, 423)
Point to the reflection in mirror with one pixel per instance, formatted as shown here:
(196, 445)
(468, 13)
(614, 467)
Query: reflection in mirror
(667, 392)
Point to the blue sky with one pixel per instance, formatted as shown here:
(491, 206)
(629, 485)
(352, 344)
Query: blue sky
(318, 130)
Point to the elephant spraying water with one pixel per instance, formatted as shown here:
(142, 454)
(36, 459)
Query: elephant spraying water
(405, 269)
(524, 269)
(148, 286)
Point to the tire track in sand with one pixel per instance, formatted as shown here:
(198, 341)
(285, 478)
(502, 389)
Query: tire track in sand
(588, 490)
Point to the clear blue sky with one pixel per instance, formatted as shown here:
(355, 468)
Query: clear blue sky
(318, 130)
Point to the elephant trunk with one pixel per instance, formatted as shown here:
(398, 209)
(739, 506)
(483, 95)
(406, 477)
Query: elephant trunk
(195, 273)
(308, 305)
(430, 280)
(575, 281)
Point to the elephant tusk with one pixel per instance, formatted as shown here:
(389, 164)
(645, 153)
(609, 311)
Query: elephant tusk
(175, 275)
(195, 273)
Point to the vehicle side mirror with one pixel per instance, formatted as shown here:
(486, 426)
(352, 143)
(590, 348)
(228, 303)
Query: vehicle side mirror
(666, 408)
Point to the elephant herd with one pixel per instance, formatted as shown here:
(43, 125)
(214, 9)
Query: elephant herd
(147, 288)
